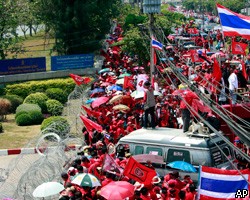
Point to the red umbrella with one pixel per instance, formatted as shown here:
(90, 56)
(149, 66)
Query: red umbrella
(99, 101)
(117, 190)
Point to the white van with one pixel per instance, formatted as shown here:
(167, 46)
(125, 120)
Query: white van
(174, 145)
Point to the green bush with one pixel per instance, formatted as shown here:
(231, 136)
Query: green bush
(27, 107)
(14, 100)
(57, 94)
(39, 99)
(1, 127)
(26, 88)
(56, 124)
(36, 116)
(24, 119)
(54, 107)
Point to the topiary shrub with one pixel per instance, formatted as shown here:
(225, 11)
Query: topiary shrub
(57, 94)
(1, 127)
(38, 98)
(14, 100)
(24, 119)
(36, 116)
(28, 107)
(54, 107)
(5, 106)
(56, 124)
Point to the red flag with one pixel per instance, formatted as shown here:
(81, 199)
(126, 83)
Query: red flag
(91, 113)
(109, 164)
(128, 82)
(90, 125)
(239, 48)
(217, 74)
(80, 80)
(244, 72)
(139, 172)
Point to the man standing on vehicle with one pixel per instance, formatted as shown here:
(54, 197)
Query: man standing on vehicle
(149, 105)
(233, 84)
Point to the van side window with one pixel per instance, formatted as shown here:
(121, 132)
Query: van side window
(154, 151)
(138, 150)
(178, 155)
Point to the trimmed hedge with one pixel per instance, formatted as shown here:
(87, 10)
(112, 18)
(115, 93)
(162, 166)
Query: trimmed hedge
(54, 107)
(27, 107)
(28, 114)
(56, 124)
(38, 98)
(57, 94)
(29, 87)
(23, 119)
(14, 100)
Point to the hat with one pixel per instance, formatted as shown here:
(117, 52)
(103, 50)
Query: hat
(147, 83)
(86, 147)
(127, 155)
(108, 113)
(156, 180)
(171, 183)
(138, 186)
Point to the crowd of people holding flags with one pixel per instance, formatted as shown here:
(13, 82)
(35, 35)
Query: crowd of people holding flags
(118, 105)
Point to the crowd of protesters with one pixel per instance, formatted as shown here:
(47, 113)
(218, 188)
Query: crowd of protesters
(164, 111)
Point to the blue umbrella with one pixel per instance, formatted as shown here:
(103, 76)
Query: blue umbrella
(97, 90)
(90, 100)
(104, 70)
(184, 166)
(115, 87)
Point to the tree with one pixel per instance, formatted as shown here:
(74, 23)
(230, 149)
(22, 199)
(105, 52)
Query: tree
(78, 25)
(8, 24)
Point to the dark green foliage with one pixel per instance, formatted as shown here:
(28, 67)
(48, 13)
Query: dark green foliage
(14, 100)
(78, 25)
(57, 94)
(24, 119)
(26, 88)
(36, 116)
(54, 107)
(1, 127)
(27, 107)
(39, 99)
(56, 124)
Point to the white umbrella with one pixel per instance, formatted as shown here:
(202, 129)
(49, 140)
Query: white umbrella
(140, 94)
(120, 81)
(48, 189)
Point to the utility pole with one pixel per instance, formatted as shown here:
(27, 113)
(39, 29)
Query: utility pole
(151, 7)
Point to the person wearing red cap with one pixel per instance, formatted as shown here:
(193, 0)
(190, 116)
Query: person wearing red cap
(172, 190)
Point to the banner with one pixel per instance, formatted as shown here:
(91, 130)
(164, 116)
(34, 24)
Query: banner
(239, 48)
(72, 62)
(80, 80)
(141, 78)
(128, 82)
(90, 125)
(22, 66)
(109, 164)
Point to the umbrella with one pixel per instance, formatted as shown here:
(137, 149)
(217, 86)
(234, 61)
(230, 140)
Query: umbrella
(143, 158)
(123, 75)
(97, 90)
(105, 84)
(48, 189)
(140, 94)
(115, 87)
(120, 81)
(137, 67)
(90, 100)
(85, 179)
(117, 190)
(182, 165)
(121, 107)
(116, 98)
(104, 70)
(99, 101)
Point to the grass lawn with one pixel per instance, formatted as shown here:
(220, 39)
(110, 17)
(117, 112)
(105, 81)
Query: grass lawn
(17, 136)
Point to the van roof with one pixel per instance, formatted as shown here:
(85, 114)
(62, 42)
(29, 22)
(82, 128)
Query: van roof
(170, 136)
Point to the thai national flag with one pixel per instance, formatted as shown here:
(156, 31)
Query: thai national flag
(220, 184)
(234, 24)
(156, 44)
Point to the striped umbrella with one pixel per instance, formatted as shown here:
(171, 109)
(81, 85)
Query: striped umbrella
(85, 179)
